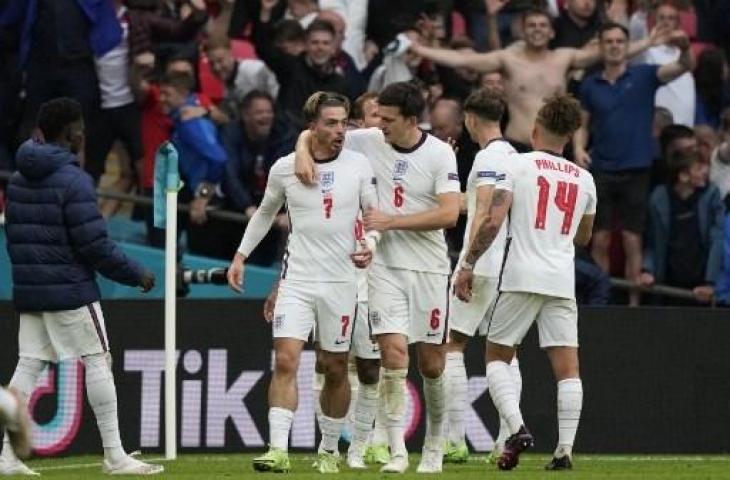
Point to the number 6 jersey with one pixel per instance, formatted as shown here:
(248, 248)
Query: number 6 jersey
(550, 196)
(409, 181)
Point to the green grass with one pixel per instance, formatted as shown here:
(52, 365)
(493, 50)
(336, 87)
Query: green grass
(227, 466)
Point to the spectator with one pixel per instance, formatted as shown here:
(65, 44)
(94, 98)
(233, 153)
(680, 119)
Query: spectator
(252, 146)
(618, 109)
(157, 126)
(364, 112)
(202, 161)
(303, 11)
(679, 94)
(289, 37)
(662, 119)
(447, 124)
(720, 160)
(577, 24)
(400, 63)
(722, 290)
(343, 60)
(711, 80)
(592, 285)
(459, 82)
(59, 40)
(239, 76)
(672, 138)
(300, 76)
(706, 140)
(684, 242)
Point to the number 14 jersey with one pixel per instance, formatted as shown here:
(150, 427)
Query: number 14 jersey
(550, 197)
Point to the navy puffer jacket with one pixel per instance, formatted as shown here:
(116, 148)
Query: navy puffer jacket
(56, 236)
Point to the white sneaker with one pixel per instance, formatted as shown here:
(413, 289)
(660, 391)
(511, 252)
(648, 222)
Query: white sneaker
(16, 467)
(398, 464)
(431, 460)
(131, 466)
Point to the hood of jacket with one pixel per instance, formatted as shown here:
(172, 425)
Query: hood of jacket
(36, 160)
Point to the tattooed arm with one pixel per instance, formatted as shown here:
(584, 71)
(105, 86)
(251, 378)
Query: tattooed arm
(484, 231)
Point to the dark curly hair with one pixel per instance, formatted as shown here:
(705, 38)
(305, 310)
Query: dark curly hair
(561, 115)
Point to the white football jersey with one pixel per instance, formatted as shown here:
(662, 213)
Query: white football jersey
(321, 219)
(488, 165)
(550, 197)
(408, 182)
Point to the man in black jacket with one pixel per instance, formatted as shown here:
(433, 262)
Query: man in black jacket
(253, 145)
(57, 240)
(300, 76)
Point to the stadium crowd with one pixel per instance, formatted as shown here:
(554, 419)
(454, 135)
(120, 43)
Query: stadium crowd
(226, 81)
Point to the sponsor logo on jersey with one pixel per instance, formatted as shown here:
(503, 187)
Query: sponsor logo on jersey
(487, 174)
(340, 341)
(454, 176)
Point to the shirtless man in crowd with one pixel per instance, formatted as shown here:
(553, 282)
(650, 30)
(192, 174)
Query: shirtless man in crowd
(530, 69)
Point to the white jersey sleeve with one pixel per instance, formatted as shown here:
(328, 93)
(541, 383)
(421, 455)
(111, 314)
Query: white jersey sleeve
(488, 168)
(447, 178)
(260, 223)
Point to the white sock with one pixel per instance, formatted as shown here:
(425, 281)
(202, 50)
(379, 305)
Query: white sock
(394, 391)
(434, 393)
(456, 385)
(570, 403)
(354, 388)
(380, 434)
(514, 370)
(24, 379)
(8, 406)
(317, 386)
(280, 420)
(102, 396)
(366, 403)
(504, 394)
(331, 429)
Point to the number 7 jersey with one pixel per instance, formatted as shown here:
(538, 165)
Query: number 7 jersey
(550, 197)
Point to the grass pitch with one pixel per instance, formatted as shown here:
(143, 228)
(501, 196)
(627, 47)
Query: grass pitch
(227, 466)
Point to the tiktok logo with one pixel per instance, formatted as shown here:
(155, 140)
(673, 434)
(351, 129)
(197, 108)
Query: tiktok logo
(64, 382)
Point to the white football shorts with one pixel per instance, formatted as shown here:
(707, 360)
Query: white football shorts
(514, 313)
(329, 306)
(63, 334)
(414, 304)
(364, 344)
(471, 318)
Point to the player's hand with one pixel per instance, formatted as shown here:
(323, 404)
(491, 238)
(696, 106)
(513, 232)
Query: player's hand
(463, 285)
(582, 158)
(377, 220)
(304, 167)
(271, 302)
(679, 39)
(147, 282)
(704, 293)
(236, 273)
(198, 214)
(495, 6)
(645, 279)
(363, 256)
